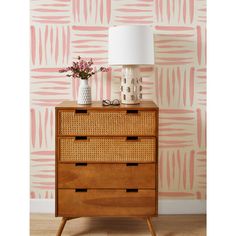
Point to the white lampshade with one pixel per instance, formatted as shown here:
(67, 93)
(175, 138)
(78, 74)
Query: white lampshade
(131, 45)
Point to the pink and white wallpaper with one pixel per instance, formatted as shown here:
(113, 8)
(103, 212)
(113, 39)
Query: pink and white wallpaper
(63, 29)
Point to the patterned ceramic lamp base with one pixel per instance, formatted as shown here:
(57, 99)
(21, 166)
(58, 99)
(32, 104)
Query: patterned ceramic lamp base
(130, 85)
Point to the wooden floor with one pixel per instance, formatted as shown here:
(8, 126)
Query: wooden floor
(174, 225)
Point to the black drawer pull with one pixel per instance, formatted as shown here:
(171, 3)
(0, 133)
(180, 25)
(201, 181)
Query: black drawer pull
(132, 138)
(81, 138)
(129, 190)
(81, 164)
(131, 164)
(132, 111)
(81, 190)
(80, 111)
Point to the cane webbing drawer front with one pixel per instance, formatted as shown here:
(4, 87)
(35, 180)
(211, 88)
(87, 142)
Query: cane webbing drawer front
(117, 123)
(106, 175)
(93, 202)
(106, 160)
(107, 149)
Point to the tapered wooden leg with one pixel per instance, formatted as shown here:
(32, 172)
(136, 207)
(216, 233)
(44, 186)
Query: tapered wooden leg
(62, 225)
(150, 226)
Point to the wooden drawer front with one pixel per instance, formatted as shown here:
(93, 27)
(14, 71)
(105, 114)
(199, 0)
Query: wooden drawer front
(106, 175)
(107, 149)
(105, 203)
(115, 123)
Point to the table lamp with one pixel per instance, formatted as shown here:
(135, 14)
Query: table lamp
(130, 47)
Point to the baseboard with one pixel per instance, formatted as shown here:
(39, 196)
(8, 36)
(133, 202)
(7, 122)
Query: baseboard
(181, 207)
(42, 206)
(164, 207)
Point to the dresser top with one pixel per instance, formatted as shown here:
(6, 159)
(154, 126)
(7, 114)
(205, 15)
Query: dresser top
(98, 105)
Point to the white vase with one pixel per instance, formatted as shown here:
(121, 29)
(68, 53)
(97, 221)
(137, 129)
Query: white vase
(84, 93)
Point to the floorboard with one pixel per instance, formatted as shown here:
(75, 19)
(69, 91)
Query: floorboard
(165, 225)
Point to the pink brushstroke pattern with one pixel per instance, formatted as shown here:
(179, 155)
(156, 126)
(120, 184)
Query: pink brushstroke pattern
(199, 127)
(131, 10)
(33, 43)
(179, 166)
(101, 87)
(191, 10)
(52, 21)
(43, 159)
(185, 171)
(68, 43)
(179, 12)
(49, 10)
(179, 83)
(175, 194)
(45, 70)
(157, 9)
(137, 5)
(32, 195)
(174, 28)
(47, 77)
(199, 45)
(89, 28)
(51, 124)
(168, 10)
(45, 43)
(40, 130)
(45, 126)
(46, 153)
(44, 187)
(168, 170)
(135, 21)
(184, 89)
(90, 7)
(101, 12)
(96, 85)
(191, 169)
(63, 44)
(51, 41)
(55, 5)
(173, 7)
(175, 111)
(184, 11)
(49, 93)
(176, 88)
(173, 83)
(161, 85)
(191, 86)
(205, 129)
(44, 176)
(108, 85)
(173, 167)
(74, 7)
(205, 46)
(108, 10)
(161, 169)
(96, 11)
(85, 10)
(161, 8)
(168, 87)
(56, 46)
(33, 127)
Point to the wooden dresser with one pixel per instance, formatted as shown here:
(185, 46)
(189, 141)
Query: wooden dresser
(106, 161)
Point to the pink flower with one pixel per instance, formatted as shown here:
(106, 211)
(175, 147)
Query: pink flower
(82, 69)
(103, 69)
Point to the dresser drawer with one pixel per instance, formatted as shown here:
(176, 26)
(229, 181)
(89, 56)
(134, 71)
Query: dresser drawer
(81, 175)
(116, 123)
(105, 203)
(107, 149)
